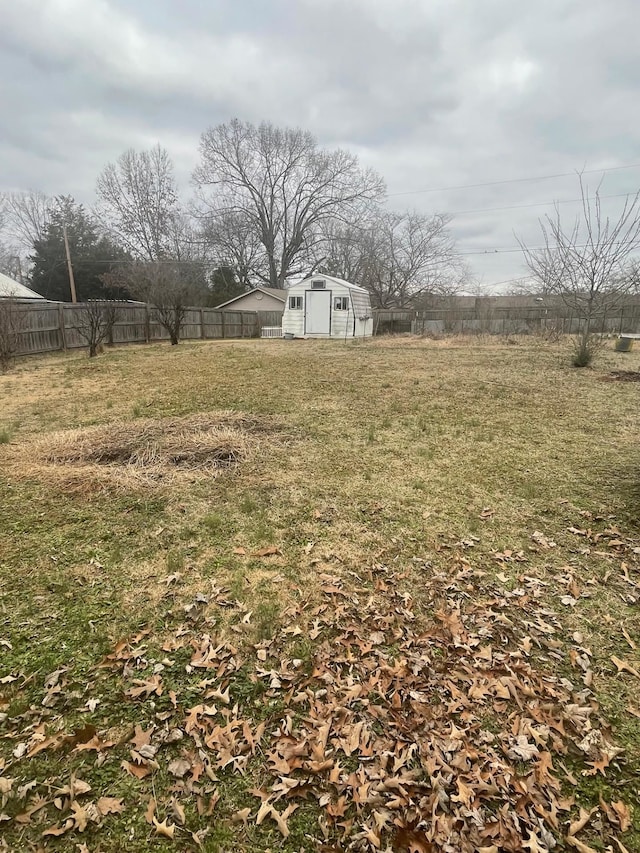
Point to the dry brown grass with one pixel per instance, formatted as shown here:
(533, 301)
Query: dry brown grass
(143, 452)
(384, 452)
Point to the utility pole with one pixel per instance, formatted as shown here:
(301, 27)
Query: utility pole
(71, 279)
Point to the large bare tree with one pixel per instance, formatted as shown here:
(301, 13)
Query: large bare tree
(138, 201)
(25, 217)
(398, 257)
(282, 187)
(586, 263)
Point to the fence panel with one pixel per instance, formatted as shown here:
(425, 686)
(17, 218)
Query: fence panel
(502, 315)
(57, 326)
(51, 326)
(39, 329)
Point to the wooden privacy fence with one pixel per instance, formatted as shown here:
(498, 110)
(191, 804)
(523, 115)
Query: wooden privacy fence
(54, 326)
(484, 317)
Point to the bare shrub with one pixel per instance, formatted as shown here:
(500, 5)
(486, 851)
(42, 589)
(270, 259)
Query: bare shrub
(587, 264)
(95, 324)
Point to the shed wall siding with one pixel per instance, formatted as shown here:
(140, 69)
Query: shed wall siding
(342, 322)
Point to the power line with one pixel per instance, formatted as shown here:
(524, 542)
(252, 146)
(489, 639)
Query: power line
(515, 180)
(534, 204)
(509, 249)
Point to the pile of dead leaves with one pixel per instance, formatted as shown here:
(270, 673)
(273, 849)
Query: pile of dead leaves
(437, 731)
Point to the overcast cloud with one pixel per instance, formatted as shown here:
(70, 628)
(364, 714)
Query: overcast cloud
(432, 93)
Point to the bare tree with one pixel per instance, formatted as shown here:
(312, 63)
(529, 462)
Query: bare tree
(13, 321)
(138, 202)
(282, 187)
(231, 241)
(398, 257)
(27, 215)
(347, 248)
(95, 322)
(585, 264)
(10, 262)
(169, 287)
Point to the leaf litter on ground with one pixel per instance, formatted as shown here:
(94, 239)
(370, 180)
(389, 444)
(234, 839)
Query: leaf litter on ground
(421, 722)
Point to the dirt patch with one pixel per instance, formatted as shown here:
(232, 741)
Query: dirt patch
(623, 376)
(150, 450)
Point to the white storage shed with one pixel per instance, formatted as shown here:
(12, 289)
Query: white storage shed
(323, 306)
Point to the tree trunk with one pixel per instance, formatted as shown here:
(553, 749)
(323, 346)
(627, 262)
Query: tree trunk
(174, 338)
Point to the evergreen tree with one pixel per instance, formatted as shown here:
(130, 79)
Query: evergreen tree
(92, 255)
(224, 286)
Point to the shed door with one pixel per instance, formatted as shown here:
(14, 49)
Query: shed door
(317, 312)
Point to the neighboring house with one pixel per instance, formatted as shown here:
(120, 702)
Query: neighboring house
(258, 299)
(10, 289)
(323, 306)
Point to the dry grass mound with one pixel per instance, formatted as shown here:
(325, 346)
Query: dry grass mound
(146, 451)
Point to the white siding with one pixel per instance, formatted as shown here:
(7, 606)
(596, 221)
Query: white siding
(355, 322)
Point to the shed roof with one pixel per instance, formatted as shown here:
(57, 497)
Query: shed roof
(341, 281)
(276, 292)
(11, 288)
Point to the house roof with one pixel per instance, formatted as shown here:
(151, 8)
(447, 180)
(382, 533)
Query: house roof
(15, 290)
(336, 279)
(277, 293)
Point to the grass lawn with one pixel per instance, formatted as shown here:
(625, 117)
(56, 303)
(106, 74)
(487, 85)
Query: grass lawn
(264, 595)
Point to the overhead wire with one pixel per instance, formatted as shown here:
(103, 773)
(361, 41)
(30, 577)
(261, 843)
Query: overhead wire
(516, 180)
(491, 251)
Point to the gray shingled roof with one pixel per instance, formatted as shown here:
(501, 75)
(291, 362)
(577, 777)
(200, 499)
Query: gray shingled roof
(11, 288)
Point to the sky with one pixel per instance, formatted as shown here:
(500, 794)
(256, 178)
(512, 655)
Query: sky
(437, 95)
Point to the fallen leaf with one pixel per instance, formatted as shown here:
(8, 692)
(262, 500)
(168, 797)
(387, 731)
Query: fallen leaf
(269, 551)
(150, 810)
(179, 767)
(241, 816)
(522, 749)
(58, 829)
(80, 816)
(146, 688)
(178, 811)
(78, 787)
(82, 735)
(624, 814)
(136, 770)
(583, 820)
(533, 845)
(165, 829)
(110, 805)
(623, 666)
(628, 639)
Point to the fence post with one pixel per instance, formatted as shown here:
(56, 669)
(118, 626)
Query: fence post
(147, 324)
(224, 326)
(202, 323)
(242, 324)
(63, 331)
